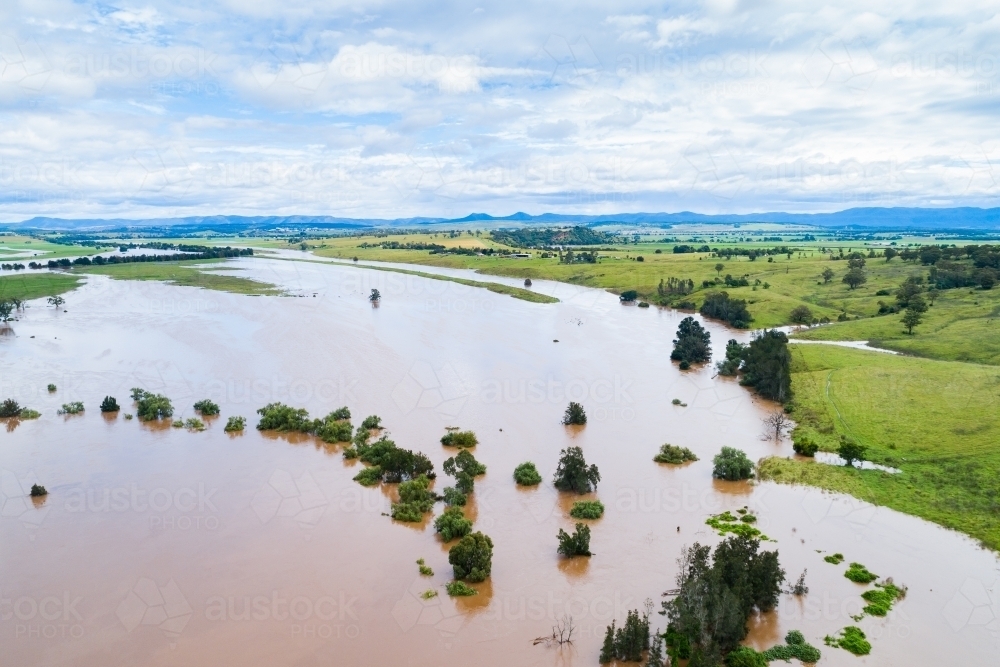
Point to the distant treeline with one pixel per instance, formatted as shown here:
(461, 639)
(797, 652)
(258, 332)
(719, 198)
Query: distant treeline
(540, 238)
(207, 253)
(752, 253)
(396, 245)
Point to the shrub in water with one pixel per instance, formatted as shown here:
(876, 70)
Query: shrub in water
(574, 415)
(464, 468)
(51, 388)
(194, 424)
(472, 557)
(732, 464)
(675, 455)
(573, 473)
(371, 423)
(835, 559)
(151, 406)
(334, 427)
(805, 447)
(10, 408)
(369, 476)
(627, 642)
(452, 524)
(424, 570)
(459, 589)
(692, 343)
(109, 404)
(207, 408)
(526, 474)
(852, 639)
(281, 417)
(28, 413)
(858, 573)
(744, 656)
(235, 424)
(587, 509)
(577, 544)
(795, 647)
(453, 496)
(37, 490)
(881, 599)
(415, 500)
(459, 439)
(74, 408)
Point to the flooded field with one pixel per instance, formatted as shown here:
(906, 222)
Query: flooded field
(162, 546)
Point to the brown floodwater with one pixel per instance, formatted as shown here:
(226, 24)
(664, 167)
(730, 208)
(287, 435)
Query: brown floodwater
(164, 546)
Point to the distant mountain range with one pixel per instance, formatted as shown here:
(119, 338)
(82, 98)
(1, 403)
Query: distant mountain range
(926, 219)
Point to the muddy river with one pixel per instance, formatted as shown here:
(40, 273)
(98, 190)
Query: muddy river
(162, 546)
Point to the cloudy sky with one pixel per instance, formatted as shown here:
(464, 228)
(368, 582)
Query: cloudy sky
(381, 109)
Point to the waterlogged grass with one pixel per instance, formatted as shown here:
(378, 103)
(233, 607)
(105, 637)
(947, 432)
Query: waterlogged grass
(186, 274)
(881, 598)
(859, 574)
(937, 421)
(27, 286)
(587, 509)
(852, 639)
(459, 589)
(740, 524)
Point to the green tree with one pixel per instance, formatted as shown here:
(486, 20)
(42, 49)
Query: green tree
(719, 267)
(730, 366)
(109, 404)
(472, 557)
(207, 407)
(851, 451)
(827, 274)
(801, 315)
(573, 473)
(526, 474)
(692, 343)
(577, 544)
(575, 414)
(375, 295)
(732, 464)
(911, 318)
(6, 311)
(855, 277)
(464, 468)
(452, 524)
(889, 254)
(767, 365)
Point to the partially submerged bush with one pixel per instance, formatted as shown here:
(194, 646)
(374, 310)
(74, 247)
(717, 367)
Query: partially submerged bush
(472, 557)
(732, 464)
(424, 569)
(74, 408)
(526, 474)
(51, 388)
(415, 500)
(281, 417)
(453, 496)
(151, 406)
(587, 509)
(194, 424)
(37, 491)
(795, 647)
(693, 342)
(675, 455)
(369, 476)
(452, 524)
(395, 463)
(836, 559)
(109, 404)
(207, 408)
(335, 427)
(371, 423)
(459, 439)
(573, 473)
(459, 589)
(859, 574)
(627, 642)
(881, 598)
(575, 415)
(235, 425)
(464, 468)
(28, 413)
(852, 639)
(577, 544)
(10, 408)
(805, 447)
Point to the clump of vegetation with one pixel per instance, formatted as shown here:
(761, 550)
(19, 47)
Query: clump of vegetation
(678, 401)
(28, 413)
(394, 464)
(799, 587)
(676, 455)
(335, 427)
(207, 408)
(194, 424)
(882, 597)
(235, 425)
(527, 474)
(575, 415)
(835, 559)
(719, 306)
(692, 344)
(737, 525)
(716, 595)
(459, 589)
(577, 544)
(573, 473)
(369, 477)
(459, 439)
(371, 423)
(454, 497)
(730, 366)
(627, 642)
(51, 388)
(732, 464)
(851, 638)
(281, 417)
(109, 404)
(37, 491)
(424, 569)
(464, 468)
(10, 408)
(415, 500)
(804, 446)
(472, 557)
(452, 524)
(859, 574)
(587, 509)
(151, 406)
(178, 424)
(850, 451)
(767, 366)
(128, 416)
(795, 647)
(74, 408)
(429, 594)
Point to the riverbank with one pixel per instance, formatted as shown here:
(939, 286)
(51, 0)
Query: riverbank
(193, 273)
(27, 286)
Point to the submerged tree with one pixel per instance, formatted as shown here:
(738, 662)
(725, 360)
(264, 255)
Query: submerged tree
(574, 415)
(767, 365)
(577, 544)
(692, 344)
(472, 557)
(573, 473)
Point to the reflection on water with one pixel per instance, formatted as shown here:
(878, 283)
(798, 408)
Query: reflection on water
(175, 547)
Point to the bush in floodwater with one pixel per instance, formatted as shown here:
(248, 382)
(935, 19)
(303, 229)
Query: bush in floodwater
(51, 388)
(415, 500)
(574, 415)
(194, 424)
(74, 408)
(37, 491)
(151, 406)
(10, 408)
(452, 524)
(464, 468)
(109, 404)
(577, 544)
(459, 589)
(396, 464)
(676, 455)
(851, 638)
(526, 474)
(453, 496)
(207, 408)
(859, 574)
(459, 439)
(745, 656)
(732, 464)
(627, 642)
(334, 427)
(28, 413)
(369, 476)
(424, 569)
(281, 417)
(587, 509)
(835, 559)
(573, 473)
(235, 425)
(881, 598)
(472, 557)
(371, 423)
(805, 447)
(795, 646)
(851, 451)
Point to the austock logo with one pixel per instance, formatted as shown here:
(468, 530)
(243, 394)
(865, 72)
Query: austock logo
(164, 607)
